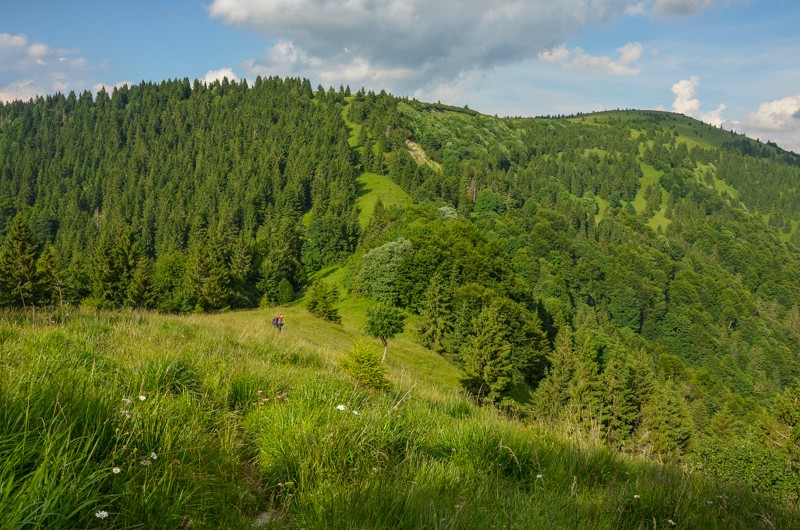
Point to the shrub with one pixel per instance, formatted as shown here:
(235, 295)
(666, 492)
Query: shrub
(363, 363)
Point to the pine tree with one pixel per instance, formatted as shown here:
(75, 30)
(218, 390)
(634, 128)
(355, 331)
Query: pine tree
(489, 360)
(51, 277)
(619, 408)
(553, 393)
(321, 301)
(207, 279)
(435, 314)
(667, 426)
(19, 279)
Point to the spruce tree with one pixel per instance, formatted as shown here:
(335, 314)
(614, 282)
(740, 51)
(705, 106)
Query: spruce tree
(19, 279)
(553, 393)
(321, 301)
(51, 277)
(436, 314)
(489, 360)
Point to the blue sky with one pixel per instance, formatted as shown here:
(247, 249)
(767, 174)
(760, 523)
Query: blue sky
(732, 63)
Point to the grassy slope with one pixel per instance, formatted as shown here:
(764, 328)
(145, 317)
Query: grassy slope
(371, 185)
(246, 426)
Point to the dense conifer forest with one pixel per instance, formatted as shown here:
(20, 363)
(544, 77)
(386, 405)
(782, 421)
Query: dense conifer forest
(628, 277)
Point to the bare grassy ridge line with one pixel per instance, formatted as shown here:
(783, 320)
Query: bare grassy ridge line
(372, 185)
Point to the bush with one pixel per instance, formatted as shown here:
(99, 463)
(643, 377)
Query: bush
(363, 363)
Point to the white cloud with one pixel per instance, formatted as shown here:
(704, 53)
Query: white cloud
(18, 90)
(97, 87)
(38, 50)
(715, 116)
(779, 115)
(579, 60)
(218, 75)
(32, 69)
(639, 8)
(412, 44)
(679, 8)
(686, 102)
(685, 92)
(778, 121)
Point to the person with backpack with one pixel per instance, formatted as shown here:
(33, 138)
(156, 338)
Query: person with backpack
(277, 322)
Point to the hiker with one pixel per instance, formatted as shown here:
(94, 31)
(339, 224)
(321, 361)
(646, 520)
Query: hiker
(277, 322)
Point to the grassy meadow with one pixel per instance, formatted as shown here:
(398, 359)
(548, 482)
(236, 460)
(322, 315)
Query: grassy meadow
(139, 420)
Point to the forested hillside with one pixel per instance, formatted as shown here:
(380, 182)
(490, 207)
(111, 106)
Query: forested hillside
(632, 277)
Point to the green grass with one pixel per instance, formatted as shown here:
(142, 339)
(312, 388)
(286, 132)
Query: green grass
(239, 423)
(651, 176)
(372, 186)
(602, 206)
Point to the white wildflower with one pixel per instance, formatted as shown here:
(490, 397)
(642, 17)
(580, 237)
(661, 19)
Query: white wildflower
(142, 398)
(115, 470)
(357, 413)
(153, 456)
(102, 514)
(341, 407)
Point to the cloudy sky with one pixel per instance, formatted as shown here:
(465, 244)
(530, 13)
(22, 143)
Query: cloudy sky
(732, 63)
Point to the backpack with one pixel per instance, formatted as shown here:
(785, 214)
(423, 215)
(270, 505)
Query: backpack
(275, 322)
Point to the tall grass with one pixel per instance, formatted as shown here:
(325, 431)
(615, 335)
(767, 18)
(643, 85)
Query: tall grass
(167, 422)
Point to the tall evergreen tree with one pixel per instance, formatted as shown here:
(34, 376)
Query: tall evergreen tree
(436, 314)
(19, 278)
(489, 359)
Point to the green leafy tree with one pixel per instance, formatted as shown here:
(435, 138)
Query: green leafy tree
(384, 323)
(380, 268)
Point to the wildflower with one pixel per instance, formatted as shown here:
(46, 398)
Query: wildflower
(280, 484)
(539, 476)
(709, 503)
(126, 414)
(357, 413)
(102, 514)
(637, 497)
(341, 407)
(153, 456)
(127, 401)
(115, 470)
(145, 463)
(259, 392)
(671, 522)
(142, 398)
